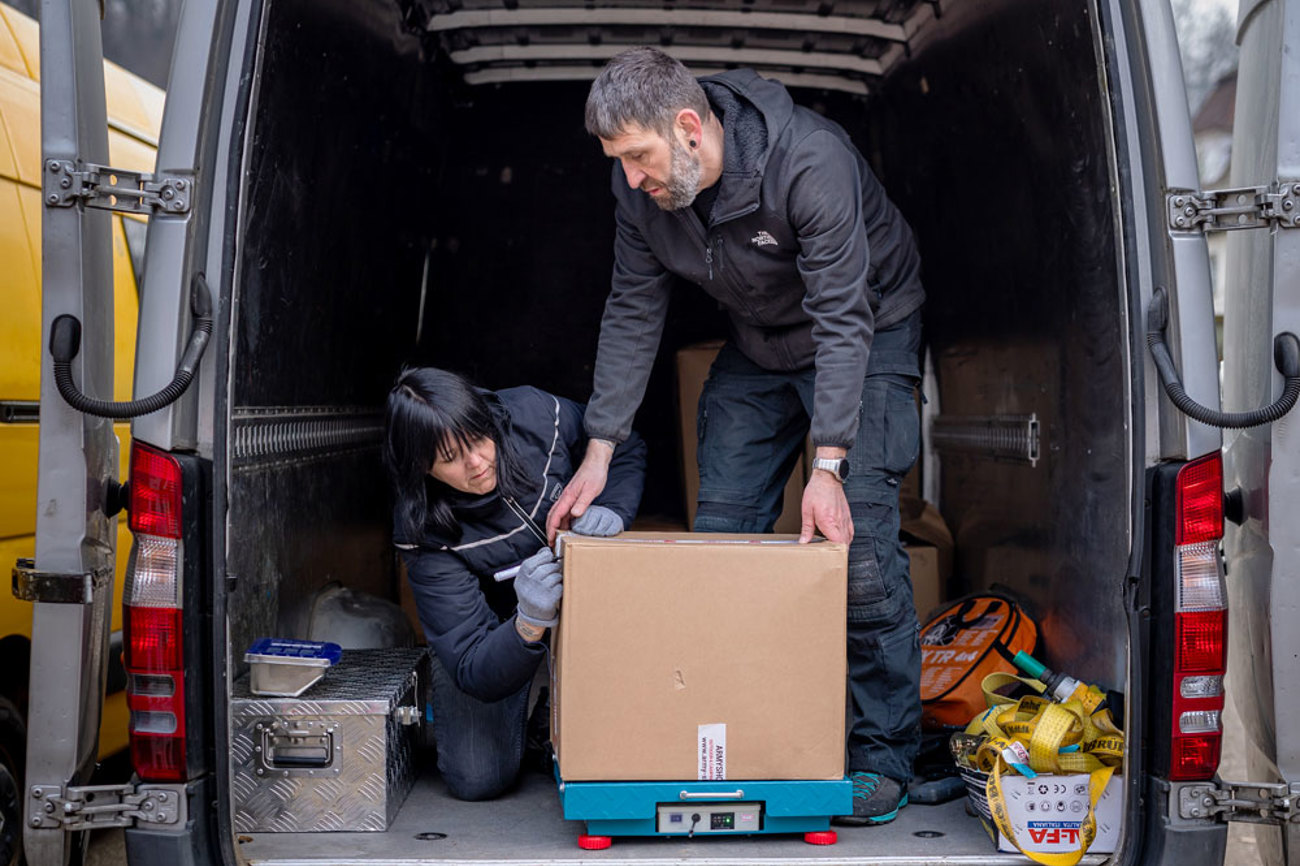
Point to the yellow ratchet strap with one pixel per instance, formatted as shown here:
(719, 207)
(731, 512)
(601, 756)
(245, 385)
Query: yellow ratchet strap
(1060, 738)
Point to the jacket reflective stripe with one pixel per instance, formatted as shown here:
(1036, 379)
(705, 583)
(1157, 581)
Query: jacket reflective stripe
(550, 455)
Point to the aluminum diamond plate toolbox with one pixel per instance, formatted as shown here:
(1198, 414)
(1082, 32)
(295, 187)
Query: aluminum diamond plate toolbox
(340, 756)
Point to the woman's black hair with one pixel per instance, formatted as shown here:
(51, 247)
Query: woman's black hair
(430, 411)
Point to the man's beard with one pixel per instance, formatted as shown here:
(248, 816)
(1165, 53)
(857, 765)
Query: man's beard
(683, 182)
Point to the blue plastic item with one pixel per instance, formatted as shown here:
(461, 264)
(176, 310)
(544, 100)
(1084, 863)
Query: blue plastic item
(297, 649)
(632, 808)
(287, 668)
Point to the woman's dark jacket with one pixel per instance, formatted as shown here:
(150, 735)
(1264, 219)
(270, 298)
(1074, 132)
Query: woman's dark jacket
(468, 617)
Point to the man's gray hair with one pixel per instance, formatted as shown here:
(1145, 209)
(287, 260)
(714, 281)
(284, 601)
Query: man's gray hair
(645, 87)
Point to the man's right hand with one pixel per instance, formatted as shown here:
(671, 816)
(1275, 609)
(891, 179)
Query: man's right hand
(585, 485)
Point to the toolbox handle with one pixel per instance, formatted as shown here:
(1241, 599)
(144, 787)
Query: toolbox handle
(316, 759)
(715, 795)
(296, 749)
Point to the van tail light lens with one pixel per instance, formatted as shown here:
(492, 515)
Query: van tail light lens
(153, 622)
(1200, 621)
(1200, 501)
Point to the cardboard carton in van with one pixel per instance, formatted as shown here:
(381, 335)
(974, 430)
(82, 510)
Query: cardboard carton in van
(360, 184)
(747, 655)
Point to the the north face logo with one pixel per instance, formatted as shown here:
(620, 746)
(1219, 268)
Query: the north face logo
(763, 239)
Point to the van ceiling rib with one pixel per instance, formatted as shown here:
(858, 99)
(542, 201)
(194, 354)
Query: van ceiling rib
(757, 58)
(825, 44)
(505, 74)
(718, 18)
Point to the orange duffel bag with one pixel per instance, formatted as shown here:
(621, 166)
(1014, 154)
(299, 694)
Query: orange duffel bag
(963, 643)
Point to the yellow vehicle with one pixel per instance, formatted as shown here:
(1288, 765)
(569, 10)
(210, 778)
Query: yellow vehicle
(134, 116)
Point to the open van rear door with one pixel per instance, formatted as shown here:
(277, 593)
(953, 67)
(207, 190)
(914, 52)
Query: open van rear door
(1256, 418)
(71, 578)
(1262, 464)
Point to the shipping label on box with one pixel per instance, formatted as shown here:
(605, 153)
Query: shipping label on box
(700, 656)
(1047, 812)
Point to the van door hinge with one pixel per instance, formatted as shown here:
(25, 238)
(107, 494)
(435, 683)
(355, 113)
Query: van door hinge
(1222, 210)
(31, 584)
(116, 189)
(94, 806)
(1247, 802)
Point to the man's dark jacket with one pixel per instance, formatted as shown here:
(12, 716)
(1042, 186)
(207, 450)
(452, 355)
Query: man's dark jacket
(803, 250)
(468, 617)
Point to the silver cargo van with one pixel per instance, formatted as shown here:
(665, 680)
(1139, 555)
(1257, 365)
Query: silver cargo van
(344, 186)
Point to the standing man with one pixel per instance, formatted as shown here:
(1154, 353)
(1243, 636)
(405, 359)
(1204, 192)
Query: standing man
(771, 210)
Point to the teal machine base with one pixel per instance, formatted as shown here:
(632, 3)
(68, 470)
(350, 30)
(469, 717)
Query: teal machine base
(705, 808)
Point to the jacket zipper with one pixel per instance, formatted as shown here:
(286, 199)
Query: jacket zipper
(702, 233)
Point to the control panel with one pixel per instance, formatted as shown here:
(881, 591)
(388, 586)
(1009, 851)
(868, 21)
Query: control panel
(692, 818)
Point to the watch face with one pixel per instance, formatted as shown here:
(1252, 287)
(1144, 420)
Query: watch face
(839, 467)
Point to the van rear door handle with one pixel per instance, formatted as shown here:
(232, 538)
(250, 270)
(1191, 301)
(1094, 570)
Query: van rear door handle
(65, 342)
(1286, 356)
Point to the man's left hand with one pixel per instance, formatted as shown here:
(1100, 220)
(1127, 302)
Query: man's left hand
(826, 508)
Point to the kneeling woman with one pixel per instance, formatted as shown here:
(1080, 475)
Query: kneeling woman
(468, 466)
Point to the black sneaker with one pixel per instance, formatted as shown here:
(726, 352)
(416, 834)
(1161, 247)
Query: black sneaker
(876, 800)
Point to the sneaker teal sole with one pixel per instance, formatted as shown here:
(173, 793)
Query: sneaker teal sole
(888, 816)
(864, 821)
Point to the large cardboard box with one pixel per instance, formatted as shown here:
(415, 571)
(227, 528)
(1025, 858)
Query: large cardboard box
(926, 589)
(693, 363)
(929, 551)
(692, 656)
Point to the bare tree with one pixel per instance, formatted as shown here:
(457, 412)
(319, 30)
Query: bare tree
(1207, 41)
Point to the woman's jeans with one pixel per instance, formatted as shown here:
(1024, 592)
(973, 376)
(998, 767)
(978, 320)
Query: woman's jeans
(480, 745)
(752, 425)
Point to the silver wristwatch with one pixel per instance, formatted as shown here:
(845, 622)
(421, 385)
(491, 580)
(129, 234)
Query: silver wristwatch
(837, 466)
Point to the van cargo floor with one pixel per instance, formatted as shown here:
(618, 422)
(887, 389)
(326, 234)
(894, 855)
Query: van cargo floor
(526, 826)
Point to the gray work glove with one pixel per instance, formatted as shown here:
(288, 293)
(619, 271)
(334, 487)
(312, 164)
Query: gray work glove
(599, 521)
(538, 588)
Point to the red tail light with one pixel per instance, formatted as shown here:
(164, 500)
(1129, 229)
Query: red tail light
(1192, 755)
(155, 493)
(153, 639)
(1200, 501)
(1200, 643)
(154, 620)
(1200, 621)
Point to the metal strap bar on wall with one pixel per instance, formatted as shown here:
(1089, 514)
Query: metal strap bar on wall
(659, 17)
(505, 74)
(271, 435)
(756, 57)
(997, 437)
